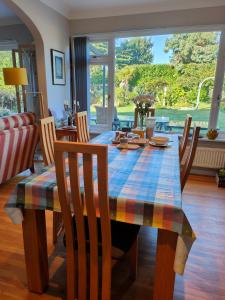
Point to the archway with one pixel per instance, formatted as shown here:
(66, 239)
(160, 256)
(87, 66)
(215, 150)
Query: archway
(39, 46)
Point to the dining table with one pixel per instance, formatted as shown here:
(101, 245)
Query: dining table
(144, 189)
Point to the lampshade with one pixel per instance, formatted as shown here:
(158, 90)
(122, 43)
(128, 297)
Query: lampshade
(15, 76)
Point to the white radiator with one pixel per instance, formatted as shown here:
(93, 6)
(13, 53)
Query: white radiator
(212, 158)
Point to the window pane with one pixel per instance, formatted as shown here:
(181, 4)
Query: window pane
(178, 69)
(98, 49)
(99, 93)
(8, 102)
(221, 119)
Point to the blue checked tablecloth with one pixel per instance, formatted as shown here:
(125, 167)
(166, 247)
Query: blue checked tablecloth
(144, 189)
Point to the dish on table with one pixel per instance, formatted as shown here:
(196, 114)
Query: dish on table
(128, 147)
(134, 141)
(158, 145)
(159, 140)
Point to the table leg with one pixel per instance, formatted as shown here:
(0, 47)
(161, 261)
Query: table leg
(35, 249)
(164, 272)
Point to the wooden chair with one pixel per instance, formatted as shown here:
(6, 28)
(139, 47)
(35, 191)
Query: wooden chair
(90, 235)
(151, 112)
(47, 137)
(83, 135)
(186, 132)
(190, 157)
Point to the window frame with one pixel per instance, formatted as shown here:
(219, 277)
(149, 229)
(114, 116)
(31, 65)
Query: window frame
(220, 65)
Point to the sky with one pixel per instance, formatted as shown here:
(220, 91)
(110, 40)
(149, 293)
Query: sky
(159, 56)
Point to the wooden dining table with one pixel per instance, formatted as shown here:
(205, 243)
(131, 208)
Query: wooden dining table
(144, 189)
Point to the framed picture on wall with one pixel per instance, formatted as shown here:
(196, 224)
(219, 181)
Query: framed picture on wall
(58, 67)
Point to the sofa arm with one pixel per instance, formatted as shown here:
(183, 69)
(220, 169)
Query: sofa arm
(17, 148)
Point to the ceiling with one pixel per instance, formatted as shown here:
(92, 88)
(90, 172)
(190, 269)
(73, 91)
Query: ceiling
(79, 9)
(7, 17)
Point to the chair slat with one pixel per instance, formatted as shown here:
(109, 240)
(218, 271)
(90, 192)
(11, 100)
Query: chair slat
(80, 226)
(50, 141)
(105, 224)
(92, 224)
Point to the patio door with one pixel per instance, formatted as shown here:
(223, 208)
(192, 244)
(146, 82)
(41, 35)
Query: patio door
(101, 83)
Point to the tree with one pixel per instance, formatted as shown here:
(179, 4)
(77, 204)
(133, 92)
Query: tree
(197, 47)
(134, 51)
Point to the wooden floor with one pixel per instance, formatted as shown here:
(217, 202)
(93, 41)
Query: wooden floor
(204, 276)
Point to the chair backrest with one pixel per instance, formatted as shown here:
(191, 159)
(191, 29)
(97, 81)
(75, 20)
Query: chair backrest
(47, 137)
(85, 154)
(190, 157)
(183, 144)
(151, 112)
(83, 135)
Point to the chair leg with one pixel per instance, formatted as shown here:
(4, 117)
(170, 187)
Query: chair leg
(133, 255)
(57, 225)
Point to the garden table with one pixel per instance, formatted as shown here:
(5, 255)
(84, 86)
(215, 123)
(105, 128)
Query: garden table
(144, 189)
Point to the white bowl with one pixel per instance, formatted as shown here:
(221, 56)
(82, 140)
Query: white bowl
(160, 140)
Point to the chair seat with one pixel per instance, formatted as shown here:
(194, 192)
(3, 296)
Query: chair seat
(123, 236)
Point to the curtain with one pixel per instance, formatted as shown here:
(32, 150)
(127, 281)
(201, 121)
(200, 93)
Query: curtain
(81, 72)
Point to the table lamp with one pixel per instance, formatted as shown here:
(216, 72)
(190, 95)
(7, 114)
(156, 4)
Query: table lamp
(17, 77)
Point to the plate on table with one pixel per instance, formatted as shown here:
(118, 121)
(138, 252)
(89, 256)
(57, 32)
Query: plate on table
(128, 147)
(140, 141)
(160, 140)
(158, 145)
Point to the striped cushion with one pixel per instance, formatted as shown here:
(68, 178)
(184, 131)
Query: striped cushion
(17, 120)
(17, 147)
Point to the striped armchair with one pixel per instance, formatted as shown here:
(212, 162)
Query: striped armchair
(18, 140)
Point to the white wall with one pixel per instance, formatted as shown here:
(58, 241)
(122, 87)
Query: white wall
(157, 20)
(54, 30)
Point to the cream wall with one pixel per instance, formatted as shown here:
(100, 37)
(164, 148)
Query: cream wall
(54, 33)
(159, 20)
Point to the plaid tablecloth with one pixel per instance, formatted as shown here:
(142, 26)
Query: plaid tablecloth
(144, 189)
